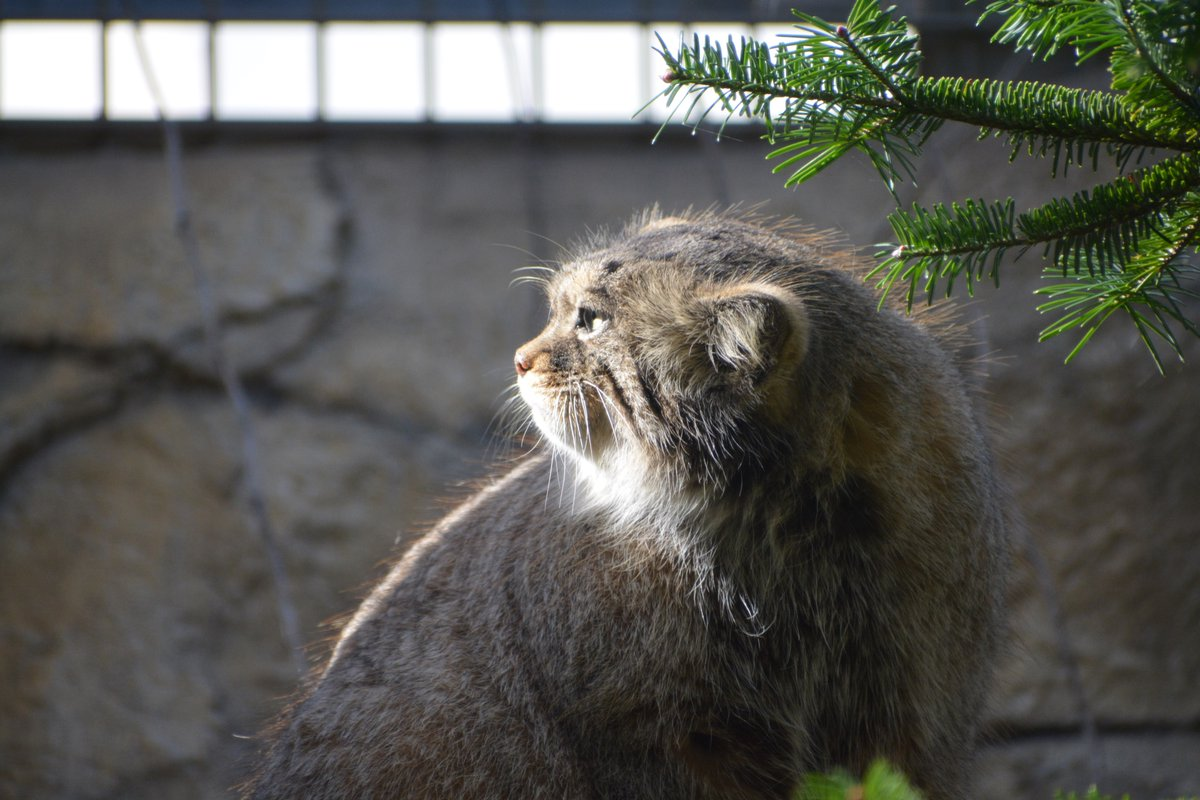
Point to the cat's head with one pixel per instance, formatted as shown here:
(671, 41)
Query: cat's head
(669, 354)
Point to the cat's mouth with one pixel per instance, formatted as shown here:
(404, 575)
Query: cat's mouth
(575, 416)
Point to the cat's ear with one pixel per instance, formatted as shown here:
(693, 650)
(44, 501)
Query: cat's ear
(750, 329)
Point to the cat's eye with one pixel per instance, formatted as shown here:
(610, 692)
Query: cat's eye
(589, 321)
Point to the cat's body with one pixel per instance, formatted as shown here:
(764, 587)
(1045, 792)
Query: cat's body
(768, 540)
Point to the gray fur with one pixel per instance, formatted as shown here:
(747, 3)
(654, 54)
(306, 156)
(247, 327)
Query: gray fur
(765, 538)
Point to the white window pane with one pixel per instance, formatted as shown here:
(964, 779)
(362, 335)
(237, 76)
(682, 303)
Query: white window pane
(50, 69)
(473, 72)
(593, 72)
(776, 33)
(178, 53)
(266, 70)
(374, 71)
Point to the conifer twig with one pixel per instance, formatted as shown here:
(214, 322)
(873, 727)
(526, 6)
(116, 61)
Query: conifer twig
(1184, 98)
(831, 89)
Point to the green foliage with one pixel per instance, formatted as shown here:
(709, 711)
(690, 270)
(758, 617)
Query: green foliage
(1126, 245)
(1092, 794)
(881, 782)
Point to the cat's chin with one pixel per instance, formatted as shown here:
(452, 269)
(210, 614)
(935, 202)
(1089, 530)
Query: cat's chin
(591, 449)
(574, 429)
(625, 485)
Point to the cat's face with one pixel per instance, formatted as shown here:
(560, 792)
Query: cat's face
(657, 364)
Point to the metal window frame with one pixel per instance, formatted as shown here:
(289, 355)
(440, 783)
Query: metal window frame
(535, 11)
(927, 14)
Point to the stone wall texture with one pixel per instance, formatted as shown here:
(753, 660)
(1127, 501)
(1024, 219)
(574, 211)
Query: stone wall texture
(364, 282)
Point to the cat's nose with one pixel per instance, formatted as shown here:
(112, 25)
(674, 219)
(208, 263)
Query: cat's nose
(522, 363)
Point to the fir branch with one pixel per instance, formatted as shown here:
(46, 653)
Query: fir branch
(751, 75)
(1156, 65)
(862, 77)
(1111, 220)
(898, 95)
(831, 89)
(968, 239)
(1147, 289)
(1090, 232)
(1016, 107)
(1121, 27)
(1044, 111)
(1045, 26)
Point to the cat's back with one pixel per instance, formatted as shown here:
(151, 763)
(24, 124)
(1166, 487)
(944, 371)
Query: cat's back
(458, 674)
(764, 536)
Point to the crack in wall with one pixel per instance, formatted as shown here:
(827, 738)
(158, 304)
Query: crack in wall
(133, 365)
(319, 298)
(128, 367)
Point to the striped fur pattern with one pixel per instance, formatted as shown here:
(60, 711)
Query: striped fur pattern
(762, 536)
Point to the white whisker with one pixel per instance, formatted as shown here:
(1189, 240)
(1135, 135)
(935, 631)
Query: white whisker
(587, 426)
(605, 403)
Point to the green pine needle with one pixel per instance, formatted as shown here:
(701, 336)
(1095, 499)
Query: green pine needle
(1127, 245)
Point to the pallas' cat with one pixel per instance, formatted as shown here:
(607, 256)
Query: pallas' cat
(763, 537)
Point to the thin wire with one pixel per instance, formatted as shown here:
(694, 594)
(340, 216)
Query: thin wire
(104, 98)
(428, 89)
(322, 70)
(526, 91)
(211, 46)
(519, 88)
(1068, 657)
(214, 339)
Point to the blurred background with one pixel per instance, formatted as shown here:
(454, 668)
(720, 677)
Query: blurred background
(349, 189)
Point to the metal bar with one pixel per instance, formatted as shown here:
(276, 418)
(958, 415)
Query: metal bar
(644, 11)
(34, 134)
(322, 69)
(427, 70)
(537, 73)
(103, 113)
(211, 29)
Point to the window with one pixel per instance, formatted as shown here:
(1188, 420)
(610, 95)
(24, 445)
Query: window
(439, 61)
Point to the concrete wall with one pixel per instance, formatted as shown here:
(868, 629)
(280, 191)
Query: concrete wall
(365, 285)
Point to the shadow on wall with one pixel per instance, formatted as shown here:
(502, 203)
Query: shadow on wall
(365, 289)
